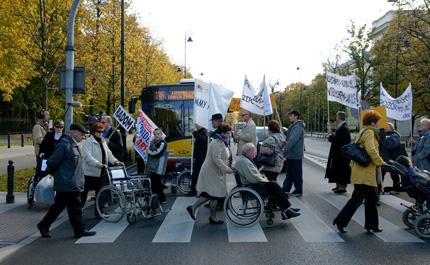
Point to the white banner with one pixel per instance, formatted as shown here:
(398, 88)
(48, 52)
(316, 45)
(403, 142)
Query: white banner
(201, 104)
(122, 116)
(256, 102)
(144, 129)
(342, 89)
(219, 100)
(398, 108)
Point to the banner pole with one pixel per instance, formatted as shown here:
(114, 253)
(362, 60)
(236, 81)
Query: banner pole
(328, 115)
(113, 131)
(279, 119)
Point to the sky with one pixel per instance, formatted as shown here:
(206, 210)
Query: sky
(235, 38)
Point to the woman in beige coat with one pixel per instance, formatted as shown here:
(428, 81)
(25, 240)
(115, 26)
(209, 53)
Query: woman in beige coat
(212, 178)
(364, 178)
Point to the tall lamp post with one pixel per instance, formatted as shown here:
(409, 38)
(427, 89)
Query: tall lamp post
(188, 35)
(301, 88)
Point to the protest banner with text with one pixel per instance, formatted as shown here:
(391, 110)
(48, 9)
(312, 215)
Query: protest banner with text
(342, 89)
(397, 108)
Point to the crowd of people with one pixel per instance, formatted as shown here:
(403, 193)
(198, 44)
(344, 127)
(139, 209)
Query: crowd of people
(77, 172)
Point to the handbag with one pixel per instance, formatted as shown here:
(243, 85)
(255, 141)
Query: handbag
(268, 160)
(356, 152)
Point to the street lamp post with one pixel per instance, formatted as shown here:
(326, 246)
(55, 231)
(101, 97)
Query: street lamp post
(188, 35)
(301, 88)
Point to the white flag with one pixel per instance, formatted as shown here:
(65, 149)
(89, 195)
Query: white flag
(256, 102)
(219, 100)
(267, 103)
(201, 104)
(397, 108)
(342, 89)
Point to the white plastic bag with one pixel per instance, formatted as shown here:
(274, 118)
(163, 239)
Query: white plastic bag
(44, 192)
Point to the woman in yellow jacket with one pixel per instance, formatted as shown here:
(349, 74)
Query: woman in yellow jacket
(364, 178)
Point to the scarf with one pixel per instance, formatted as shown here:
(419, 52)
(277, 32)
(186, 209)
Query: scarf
(226, 141)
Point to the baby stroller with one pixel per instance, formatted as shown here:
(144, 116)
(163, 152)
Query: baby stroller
(416, 216)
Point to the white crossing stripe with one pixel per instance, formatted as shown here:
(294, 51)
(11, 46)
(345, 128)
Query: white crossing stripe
(394, 202)
(106, 232)
(245, 234)
(178, 226)
(310, 226)
(391, 233)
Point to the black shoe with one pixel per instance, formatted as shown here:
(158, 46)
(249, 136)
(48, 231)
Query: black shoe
(219, 222)
(190, 211)
(85, 233)
(287, 214)
(334, 189)
(339, 227)
(295, 209)
(374, 230)
(44, 232)
(339, 191)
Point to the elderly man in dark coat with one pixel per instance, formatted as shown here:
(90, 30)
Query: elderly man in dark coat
(338, 170)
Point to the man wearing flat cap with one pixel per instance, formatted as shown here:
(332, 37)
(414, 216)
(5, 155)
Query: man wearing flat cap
(293, 153)
(248, 133)
(65, 164)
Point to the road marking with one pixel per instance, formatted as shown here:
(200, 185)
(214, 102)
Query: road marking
(394, 202)
(310, 226)
(391, 233)
(106, 232)
(245, 234)
(320, 161)
(178, 226)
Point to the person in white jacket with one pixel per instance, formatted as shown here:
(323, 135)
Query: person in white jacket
(96, 154)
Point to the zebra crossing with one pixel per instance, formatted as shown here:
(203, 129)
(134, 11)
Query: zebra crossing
(178, 227)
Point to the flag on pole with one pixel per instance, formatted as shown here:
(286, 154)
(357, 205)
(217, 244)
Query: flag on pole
(256, 102)
(144, 129)
(219, 100)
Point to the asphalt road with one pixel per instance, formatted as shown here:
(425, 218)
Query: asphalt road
(307, 239)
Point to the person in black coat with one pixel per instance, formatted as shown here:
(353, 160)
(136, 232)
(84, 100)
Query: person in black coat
(199, 154)
(114, 142)
(48, 144)
(338, 170)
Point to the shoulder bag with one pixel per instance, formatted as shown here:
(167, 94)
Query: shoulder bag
(356, 152)
(266, 160)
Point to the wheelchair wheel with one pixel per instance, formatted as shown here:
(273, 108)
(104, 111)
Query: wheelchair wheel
(131, 218)
(243, 207)
(422, 226)
(269, 222)
(111, 204)
(409, 218)
(183, 182)
(30, 192)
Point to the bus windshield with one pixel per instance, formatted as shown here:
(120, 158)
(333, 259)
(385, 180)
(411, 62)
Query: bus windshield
(170, 107)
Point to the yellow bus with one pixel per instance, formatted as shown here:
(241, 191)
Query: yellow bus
(170, 107)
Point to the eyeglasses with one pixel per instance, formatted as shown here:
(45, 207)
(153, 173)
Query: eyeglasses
(99, 131)
(59, 127)
(244, 115)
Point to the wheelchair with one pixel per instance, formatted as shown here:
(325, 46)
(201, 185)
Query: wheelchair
(127, 195)
(245, 205)
(180, 178)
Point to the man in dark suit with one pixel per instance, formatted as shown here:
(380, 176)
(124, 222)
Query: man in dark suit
(338, 170)
(114, 142)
